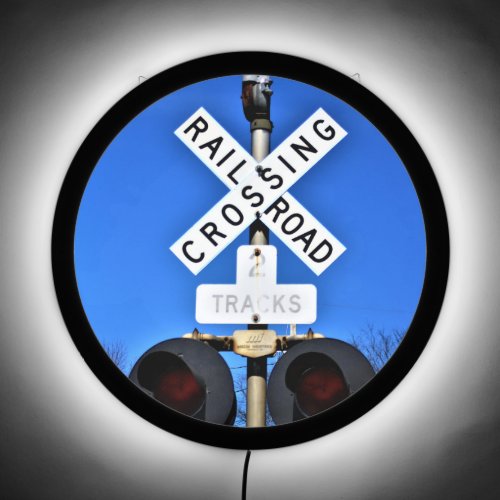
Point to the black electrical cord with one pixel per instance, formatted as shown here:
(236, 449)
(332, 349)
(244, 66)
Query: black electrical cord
(245, 474)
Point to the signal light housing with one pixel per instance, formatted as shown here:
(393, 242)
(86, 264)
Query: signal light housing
(190, 377)
(313, 376)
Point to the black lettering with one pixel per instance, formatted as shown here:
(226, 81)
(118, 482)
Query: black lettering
(324, 257)
(290, 218)
(298, 148)
(287, 165)
(244, 193)
(295, 303)
(280, 205)
(217, 297)
(321, 134)
(236, 210)
(271, 178)
(231, 300)
(190, 257)
(235, 169)
(225, 158)
(247, 304)
(210, 226)
(307, 238)
(277, 302)
(197, 129)
(213, 145)
(259, 306)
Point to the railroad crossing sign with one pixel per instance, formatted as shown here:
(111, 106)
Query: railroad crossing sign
(259, 190)
(256, 298)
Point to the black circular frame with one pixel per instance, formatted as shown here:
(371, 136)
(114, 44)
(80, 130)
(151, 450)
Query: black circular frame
(400, 138)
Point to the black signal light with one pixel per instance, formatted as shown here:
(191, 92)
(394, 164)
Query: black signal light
(313, 376)
(190, 377)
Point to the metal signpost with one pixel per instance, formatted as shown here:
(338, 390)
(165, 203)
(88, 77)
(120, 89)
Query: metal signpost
(258, 200)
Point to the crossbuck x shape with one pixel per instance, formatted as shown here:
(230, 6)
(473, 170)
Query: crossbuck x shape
(259, 190)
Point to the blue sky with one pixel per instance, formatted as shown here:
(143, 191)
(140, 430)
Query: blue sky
(148, 188)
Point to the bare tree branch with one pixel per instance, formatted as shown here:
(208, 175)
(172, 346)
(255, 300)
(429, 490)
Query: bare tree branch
(377, 344)
(117, 351)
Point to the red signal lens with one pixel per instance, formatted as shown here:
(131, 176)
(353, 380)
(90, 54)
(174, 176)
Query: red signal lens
(319, 389)
(180, 390)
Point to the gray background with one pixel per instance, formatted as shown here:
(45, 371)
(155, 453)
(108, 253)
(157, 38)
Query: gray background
(63, 435)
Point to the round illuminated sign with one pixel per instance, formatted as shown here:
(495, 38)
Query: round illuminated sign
(250, 211)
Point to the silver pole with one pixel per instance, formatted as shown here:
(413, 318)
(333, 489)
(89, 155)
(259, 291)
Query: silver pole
(260, 143)
(256, 105)
(257, 367)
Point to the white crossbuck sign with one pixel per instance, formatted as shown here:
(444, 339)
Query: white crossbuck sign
(259, 190)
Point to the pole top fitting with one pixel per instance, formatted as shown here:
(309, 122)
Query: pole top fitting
(257, 79)
(256, 98)
(262, 123)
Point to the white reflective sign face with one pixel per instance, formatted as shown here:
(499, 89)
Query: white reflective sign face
(161, 246)
(256, 297)
(259, 191)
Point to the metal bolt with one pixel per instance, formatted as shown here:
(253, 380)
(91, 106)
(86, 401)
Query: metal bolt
(255, 318)
(259, 169)
(258, 215)
(257, 252)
